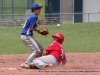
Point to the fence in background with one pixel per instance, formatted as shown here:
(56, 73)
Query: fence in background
(63, 18)
(14, 7)
(52, 19)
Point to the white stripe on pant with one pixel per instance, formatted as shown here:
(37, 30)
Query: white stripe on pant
(35, 46)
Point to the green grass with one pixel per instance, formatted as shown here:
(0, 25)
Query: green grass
(77, 39)
(19, 6)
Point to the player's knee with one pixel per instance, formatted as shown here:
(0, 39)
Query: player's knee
(42, 49)
(38, 54)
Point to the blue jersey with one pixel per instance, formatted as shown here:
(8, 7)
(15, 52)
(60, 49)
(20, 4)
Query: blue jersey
(30, 23)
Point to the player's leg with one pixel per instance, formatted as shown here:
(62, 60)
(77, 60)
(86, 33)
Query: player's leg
(40, 46)
(43, 61)
(30, 42)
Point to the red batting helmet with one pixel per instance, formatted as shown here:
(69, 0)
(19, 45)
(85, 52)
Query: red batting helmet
(59, 36)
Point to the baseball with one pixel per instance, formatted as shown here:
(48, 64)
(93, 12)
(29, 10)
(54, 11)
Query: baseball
(58, 25)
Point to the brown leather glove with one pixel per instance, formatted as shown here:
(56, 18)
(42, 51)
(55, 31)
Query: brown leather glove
(43, 31)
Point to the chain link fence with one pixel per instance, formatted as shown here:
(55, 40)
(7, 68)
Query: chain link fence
(63, 18)
(15, 12)
(9, 9)
(54, 19)
(14, 7)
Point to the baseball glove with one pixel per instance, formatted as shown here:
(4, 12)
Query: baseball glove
(43, 31)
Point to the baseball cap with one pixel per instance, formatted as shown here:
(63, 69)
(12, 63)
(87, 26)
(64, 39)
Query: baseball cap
(36, 5)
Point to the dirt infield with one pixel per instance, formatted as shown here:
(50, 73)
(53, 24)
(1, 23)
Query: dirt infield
(78, 64)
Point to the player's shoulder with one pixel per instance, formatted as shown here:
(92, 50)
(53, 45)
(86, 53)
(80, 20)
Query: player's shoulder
(56, 43)
(33, 16)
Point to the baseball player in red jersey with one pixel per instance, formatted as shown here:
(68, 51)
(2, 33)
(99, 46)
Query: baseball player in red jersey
(53, 55)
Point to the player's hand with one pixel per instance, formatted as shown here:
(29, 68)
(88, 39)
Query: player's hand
(64, 62)
(40, 21)
(44, 53)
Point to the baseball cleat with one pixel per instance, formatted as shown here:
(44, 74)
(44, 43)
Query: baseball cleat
(32, 66)
(24, 65)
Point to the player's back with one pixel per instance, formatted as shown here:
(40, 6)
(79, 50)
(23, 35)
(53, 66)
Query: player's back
(31, 21)
(56, 50)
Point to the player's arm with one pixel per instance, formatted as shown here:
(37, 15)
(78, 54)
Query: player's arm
(34, 25)
(40, 22)
(34, 29)
(45, 53)
(49, 49)
(64, 60)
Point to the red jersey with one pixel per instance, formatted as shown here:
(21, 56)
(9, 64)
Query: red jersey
(57, 51)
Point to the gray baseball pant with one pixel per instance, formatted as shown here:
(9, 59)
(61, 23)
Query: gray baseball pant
(44, 60)
(35, 46)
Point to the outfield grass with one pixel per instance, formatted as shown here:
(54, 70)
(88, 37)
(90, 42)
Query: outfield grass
(20, 6)
(77, 38)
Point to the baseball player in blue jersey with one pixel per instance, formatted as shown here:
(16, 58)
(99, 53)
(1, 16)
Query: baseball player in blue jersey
(27, 34)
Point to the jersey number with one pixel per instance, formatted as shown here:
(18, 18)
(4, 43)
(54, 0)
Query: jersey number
(25, 22)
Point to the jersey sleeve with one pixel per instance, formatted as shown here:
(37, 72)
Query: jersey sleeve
(53, 47)
(33, 21)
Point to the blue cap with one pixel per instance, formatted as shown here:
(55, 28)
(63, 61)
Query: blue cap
(35, 5)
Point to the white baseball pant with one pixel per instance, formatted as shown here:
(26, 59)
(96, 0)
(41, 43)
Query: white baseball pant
(35, 46)
(40, 62)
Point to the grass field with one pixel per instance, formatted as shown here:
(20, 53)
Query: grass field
(19, 6)
(77, 38)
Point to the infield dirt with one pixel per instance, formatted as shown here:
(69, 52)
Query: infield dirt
(77, 64)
